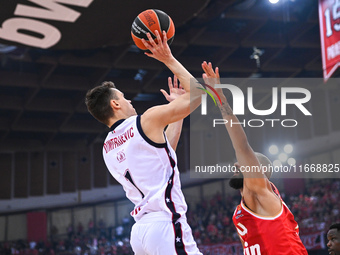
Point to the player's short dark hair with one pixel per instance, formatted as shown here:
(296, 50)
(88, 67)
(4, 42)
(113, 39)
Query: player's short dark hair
(335, 226)
(98, 101)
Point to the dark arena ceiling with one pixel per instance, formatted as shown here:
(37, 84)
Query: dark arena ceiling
(42, 90)
(51, 145)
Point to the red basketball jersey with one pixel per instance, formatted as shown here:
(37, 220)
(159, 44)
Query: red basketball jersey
(261, 235)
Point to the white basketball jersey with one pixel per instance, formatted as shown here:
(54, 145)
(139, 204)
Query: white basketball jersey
(147, 170)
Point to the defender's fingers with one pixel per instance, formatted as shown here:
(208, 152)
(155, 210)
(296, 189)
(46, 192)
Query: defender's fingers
(205, 77)
(210, 70)
(204, 65)
(207, 68)
(217, 72)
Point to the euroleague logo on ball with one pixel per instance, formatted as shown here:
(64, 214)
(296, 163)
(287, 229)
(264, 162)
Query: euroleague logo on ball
(148, 18)
(150, 21)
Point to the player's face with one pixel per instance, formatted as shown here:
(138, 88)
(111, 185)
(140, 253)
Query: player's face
(125, 104)
(333, 244)
(236, 181)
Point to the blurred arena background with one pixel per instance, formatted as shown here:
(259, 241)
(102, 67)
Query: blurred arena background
(56, 195)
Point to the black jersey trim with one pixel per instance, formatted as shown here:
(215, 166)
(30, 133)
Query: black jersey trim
(179, 244)
(147, 139)
(116, 124)
(168, 199)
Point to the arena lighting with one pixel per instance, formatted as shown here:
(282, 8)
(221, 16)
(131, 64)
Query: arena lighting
(7, 48)
(282, 154)
(288, 148)
(283, 157)
(277, 163)
(291, 161)
(274, 1)
(273, 149)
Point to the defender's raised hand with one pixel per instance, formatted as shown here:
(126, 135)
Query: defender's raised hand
(210, 76)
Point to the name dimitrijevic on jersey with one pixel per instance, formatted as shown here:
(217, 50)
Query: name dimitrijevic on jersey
(118, 140)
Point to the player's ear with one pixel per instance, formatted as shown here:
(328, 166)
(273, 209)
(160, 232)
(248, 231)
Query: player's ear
(114, 104)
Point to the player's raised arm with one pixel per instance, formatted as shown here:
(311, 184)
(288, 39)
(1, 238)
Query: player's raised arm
(161, 51)
(154, 120)
(255, 184)
(244, 153)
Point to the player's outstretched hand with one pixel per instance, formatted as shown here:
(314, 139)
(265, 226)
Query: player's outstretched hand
(175, 90)
(210, 76)
(160, 50)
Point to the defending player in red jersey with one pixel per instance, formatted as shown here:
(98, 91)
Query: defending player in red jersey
(263, 221)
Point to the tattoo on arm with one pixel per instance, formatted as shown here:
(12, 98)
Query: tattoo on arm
(225, 109)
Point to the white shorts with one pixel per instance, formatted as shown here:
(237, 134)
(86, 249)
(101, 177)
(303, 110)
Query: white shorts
(155, 234)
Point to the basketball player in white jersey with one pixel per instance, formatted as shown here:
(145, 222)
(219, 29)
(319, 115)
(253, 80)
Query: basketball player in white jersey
(139, 156)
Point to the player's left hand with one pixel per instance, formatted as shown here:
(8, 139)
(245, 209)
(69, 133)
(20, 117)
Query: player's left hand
(175, 89)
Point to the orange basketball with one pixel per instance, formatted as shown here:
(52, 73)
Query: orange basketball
(148, 22)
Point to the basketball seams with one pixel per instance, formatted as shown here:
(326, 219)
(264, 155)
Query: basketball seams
(148, 22)
(146, 26)
(164, 20)
(159, 22)
(169, 25)
(138, 42)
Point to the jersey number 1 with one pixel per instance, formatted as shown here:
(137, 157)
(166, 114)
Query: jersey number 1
(129, 178)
